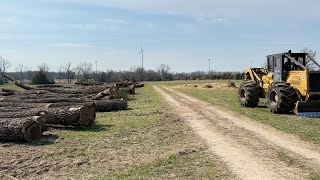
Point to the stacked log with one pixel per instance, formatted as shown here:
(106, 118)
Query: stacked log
(130, 89)
(24, 115)
(7, 92)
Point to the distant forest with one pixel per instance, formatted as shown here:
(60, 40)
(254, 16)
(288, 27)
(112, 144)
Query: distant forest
(87, 74)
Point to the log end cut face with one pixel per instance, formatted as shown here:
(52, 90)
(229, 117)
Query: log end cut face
(32, 130)
(87, 115)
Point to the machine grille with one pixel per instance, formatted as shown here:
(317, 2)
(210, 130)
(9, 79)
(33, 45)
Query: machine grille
(314, 82)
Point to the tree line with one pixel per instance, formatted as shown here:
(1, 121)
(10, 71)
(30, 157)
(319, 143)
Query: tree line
(85, 73)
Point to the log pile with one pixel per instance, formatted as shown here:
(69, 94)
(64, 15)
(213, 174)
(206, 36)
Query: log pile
(25, 114)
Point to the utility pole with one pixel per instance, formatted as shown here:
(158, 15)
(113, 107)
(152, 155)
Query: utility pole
(96, 67)
(96, 70)
(142, 57)
(209, 66)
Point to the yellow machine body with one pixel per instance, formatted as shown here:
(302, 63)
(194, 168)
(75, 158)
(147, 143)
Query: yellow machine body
(308, 103)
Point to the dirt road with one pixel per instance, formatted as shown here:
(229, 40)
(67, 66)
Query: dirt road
(251, 150)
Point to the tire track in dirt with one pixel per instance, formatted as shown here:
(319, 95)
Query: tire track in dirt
(286, 141)
(241, 158)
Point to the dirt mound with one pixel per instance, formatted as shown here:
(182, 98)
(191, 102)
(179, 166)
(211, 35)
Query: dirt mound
(208, 86)
(231, 84)
(191, 85)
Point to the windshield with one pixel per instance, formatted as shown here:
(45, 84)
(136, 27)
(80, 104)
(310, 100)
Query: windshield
(311, 65)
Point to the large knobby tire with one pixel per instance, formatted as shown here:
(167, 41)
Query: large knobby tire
(281, 98)
(249, 94)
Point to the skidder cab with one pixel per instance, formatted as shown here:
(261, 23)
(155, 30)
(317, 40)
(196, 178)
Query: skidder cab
(291, 83)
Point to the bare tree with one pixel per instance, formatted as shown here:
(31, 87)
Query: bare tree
(44, 67)
(86, 70)
(313, 54)
(4, 66)
(20, 70)
(163, 71)
(70, 72)
(59, 69)
(29, 72)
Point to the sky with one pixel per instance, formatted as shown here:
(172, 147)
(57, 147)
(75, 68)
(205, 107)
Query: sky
(181, 33)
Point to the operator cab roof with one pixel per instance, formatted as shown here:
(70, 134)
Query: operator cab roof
(288, 53)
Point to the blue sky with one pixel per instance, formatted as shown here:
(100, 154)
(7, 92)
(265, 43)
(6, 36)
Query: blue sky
(181, 33)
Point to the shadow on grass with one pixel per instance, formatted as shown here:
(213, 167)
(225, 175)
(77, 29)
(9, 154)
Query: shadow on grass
(262, 106)
(92, 128)
(45, 139)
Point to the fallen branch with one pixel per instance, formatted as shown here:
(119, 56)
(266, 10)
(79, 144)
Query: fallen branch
(17, 83)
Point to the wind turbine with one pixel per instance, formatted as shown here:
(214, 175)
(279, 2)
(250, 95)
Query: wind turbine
(141, 52)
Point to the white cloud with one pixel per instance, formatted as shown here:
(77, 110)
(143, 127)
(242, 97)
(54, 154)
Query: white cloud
(84, 27)
(115, 21)
(8, 20)
(229, 9)
(6, 36)
(211, 20)
(70, 45)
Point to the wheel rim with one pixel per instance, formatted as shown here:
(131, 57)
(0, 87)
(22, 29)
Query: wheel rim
(273, 97)
(243, 93)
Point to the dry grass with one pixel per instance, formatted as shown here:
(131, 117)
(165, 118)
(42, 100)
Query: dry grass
(146, 142)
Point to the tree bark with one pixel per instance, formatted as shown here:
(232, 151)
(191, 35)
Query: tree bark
(131, 89)
(83, 115)
(45, 100)
(20, 129)
(139, 85)
(7, 93)
(103, 94)
(103, 106)
(49, 86)
(20, 114)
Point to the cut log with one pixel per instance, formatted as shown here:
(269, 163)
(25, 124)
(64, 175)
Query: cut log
(20, 114)
(7, 93)
(20, 105)
(139, 85)
(7, 90)
(111, 105)
(83, 115)
(70, 104)
(49, 86)
(131, 89)
(61, 90)
(103, 94)
(118, 104)
(55, 100)
(20, 129)
(103, 106)
(17, 83)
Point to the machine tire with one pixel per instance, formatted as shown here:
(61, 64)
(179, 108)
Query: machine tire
(281, 98)
(249, 94)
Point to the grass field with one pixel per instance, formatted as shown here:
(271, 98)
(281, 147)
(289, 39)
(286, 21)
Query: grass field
(306, 128)
(148, 141)
(145, 142)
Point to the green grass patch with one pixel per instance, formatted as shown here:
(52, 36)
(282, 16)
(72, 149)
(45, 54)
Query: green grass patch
(176, 166)
(306, 128)
(144, 111)
(184, 82)
(285, 158)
